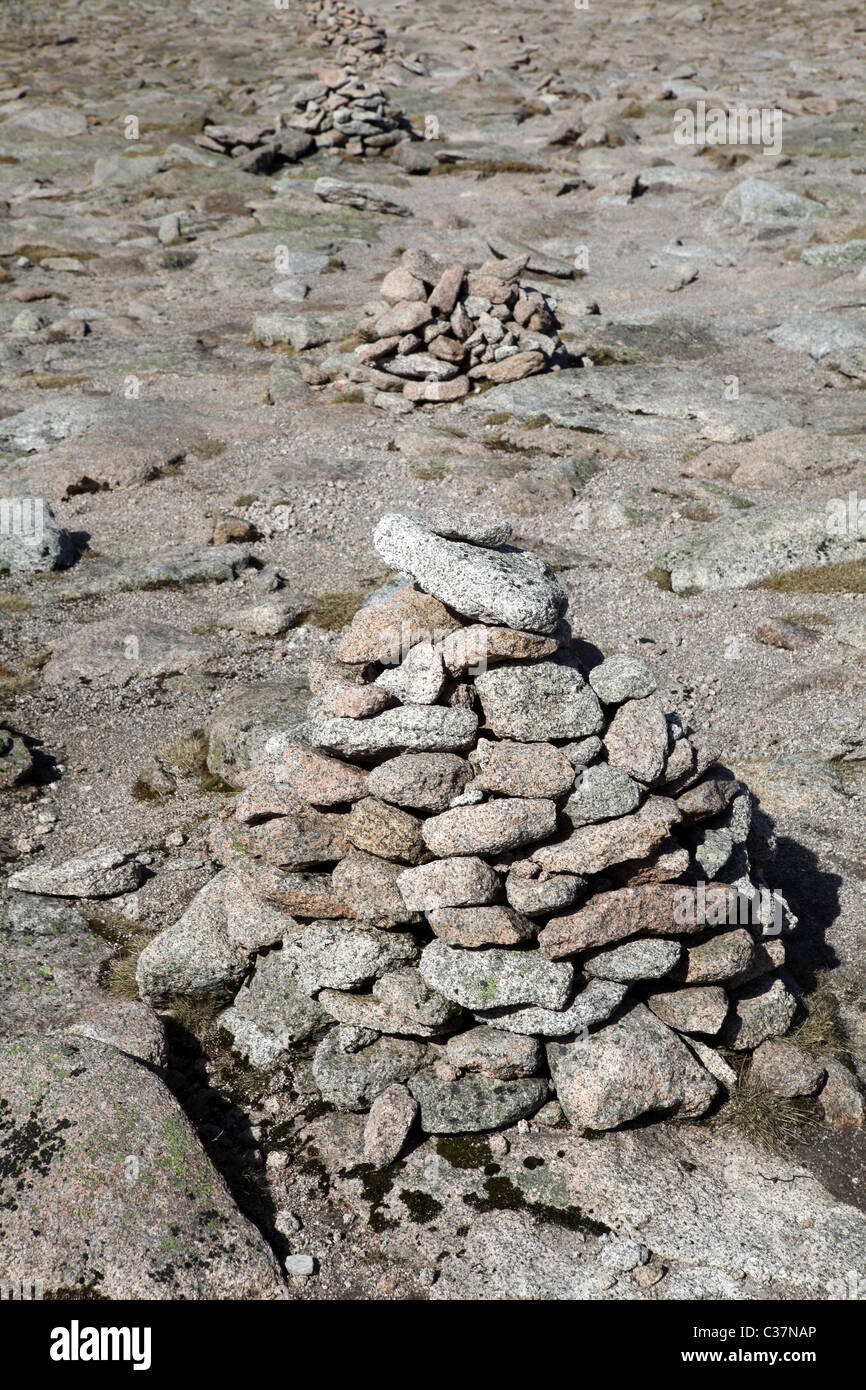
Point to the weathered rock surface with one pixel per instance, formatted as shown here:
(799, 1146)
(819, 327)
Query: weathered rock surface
(90, 1109)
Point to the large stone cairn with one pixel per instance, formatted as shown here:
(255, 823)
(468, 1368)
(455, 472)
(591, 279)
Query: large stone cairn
(340, 110)
(442, 327)
(493, 877)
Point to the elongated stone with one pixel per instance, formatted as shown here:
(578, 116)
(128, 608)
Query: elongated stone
(489, 977)
(594, 848)
(491, 827)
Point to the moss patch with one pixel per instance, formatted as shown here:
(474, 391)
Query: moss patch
(844, 577)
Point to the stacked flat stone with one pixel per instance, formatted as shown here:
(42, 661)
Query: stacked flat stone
(340, 110)
(442, 327)
(258, 147)
(348, 29)
(467, 885)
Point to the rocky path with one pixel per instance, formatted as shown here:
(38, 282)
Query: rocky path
(181, 277)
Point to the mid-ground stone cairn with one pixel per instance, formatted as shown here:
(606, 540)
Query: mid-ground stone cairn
(441, 328)
(496, 876)
(336, 110)
(340, 110)
(348, 30)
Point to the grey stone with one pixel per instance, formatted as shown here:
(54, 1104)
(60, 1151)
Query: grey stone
(30, 537)
(91, 1109)
(512, 587)
(421, 781)
(183, 564)
(526, 769)
(501, 824)
(409, 728)
(418, 679)
(637, 739)
(368, 886)
(712, 850)
(724, 957)
(764, 541)
(117, 652)
(355, 195)
(601, 793)
(755, 201)
(847, 254)
(194, 955)
(271, 1012)
(785, 1069)
(693, 1009)
(391, 1117)
(841, 1096)
(592, 1003)
(634, 1066)
(650, 400)
(337, 955)
(761, 1010)
(100, 873)
(819, 334)
(583, 751)
(460, 526)
(480, 926)
(50, 964)
(636, 960)
(505, 1056)
(459, 882)
(127, 1024)
(353, 1080)
(400, 1001)
(474, 1102)
(537, 897)
(622, 677)
(256, 728)
(490, 977)
(537, 701)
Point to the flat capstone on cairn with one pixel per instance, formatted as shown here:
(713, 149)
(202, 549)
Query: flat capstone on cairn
(493, 881)
(441, 329)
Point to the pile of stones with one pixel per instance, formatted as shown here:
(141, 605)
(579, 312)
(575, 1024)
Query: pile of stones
(259, 147)
(494, 878)
(440, 327)
(348, 29)
(336, 110)
(341, 110)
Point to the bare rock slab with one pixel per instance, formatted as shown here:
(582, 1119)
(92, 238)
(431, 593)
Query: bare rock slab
(101, 873)
(89, 1108)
